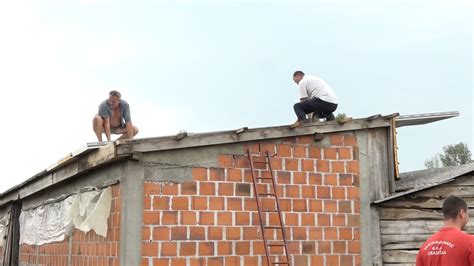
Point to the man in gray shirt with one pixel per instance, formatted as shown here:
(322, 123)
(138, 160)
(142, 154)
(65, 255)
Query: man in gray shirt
(114, 118)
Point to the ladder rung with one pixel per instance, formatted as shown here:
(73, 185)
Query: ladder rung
(267, 194)
(273, 227)
(269, 211)
(263, 177)
(276, 245)
(278, 263)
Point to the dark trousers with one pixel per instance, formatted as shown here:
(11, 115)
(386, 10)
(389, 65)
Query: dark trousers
(320, 107)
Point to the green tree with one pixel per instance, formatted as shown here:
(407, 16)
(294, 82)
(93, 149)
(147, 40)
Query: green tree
(452, 155)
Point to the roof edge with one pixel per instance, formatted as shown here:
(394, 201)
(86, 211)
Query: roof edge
(182, 141)
(421, 119)
(96, 155)
(463, 171)
(62, 171)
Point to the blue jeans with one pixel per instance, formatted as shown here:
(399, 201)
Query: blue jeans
(320, 107)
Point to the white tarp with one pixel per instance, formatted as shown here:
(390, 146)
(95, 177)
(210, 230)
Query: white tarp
(54, 221)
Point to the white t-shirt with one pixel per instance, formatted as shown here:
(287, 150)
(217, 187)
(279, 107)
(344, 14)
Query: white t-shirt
(312, 86)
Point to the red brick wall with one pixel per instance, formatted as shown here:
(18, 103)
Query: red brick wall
(212, 220)
(87, 249)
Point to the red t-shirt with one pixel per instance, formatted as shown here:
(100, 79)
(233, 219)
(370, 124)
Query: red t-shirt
(448, 247)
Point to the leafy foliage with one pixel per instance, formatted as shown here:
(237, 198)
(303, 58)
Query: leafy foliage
(452, 155)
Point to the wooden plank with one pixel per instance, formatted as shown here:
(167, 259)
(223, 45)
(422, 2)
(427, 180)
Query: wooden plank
(443, 191)
(411, 238)
(409, 214)
(391, 173)
(467, 180)
(378, 165)
(401, 227)
(372, 169)
(404, 246)
(414, 214)
(422, 203)
(399, 256)
(375, 241)
(393, 137)
(394, 239)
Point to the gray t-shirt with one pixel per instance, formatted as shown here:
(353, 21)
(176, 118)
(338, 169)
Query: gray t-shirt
(106, 111)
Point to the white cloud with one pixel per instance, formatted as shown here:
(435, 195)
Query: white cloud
(47, 111)
(107, 53)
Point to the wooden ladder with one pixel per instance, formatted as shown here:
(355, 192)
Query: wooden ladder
(262, 213)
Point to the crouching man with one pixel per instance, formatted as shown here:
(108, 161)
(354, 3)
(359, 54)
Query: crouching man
(315, 96)
(114, 118)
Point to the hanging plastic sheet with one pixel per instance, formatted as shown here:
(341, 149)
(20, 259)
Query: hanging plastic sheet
(55, 221)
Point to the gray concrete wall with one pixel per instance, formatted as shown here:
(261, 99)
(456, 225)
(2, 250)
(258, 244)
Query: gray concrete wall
(176, 165)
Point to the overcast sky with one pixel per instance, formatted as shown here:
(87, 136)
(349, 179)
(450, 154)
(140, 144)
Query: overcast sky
(207, 66)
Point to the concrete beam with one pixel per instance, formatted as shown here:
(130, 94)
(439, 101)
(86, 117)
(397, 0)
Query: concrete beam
(225, 137)
(176, 165)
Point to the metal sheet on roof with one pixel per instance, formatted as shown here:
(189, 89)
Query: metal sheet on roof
(421, 119)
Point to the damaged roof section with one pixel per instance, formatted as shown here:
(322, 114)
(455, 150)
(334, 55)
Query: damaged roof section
(415, 181)
(428, 177)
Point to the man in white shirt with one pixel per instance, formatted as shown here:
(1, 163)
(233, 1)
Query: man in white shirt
(315, 96)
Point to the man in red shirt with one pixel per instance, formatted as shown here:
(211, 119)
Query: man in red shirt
(449, 246)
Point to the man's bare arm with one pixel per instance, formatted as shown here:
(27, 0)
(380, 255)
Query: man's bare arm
(107, 127)
(129, 127)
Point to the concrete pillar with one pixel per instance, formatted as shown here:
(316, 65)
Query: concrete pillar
(131, 220)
